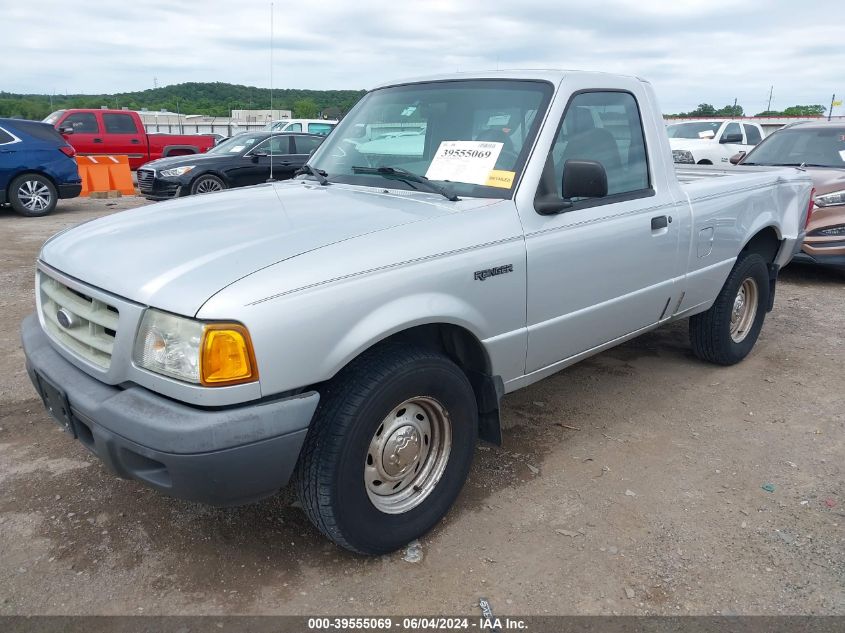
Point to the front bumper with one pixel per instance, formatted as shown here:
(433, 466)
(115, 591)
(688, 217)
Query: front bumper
(836, 262)
(154, 187)
(224, 456)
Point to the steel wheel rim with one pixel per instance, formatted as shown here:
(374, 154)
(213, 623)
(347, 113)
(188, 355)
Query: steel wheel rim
(208, 185)
(34, 195)
(744, 310)
(407, 455)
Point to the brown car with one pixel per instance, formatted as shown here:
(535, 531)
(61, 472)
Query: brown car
(818, 147)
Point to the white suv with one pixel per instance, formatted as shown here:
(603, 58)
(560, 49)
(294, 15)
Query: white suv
(312, 126)
(711, 141)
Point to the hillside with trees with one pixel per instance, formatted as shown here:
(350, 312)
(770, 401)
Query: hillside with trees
(213, 99)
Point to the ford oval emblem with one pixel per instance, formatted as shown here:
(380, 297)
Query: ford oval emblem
(65, 318)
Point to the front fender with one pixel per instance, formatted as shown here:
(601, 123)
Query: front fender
(393, 317)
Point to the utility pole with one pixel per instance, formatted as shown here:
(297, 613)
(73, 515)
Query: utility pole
(830, 111)
(769, 107)
(155, 82)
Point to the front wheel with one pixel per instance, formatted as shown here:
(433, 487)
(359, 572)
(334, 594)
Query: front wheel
(33, 195)
(389, 448)
(207, 184)
(726, 332)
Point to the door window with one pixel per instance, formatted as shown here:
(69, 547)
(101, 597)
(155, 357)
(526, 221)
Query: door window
(604, 127)
(275, 146)
(5, 137)
(731, 128)
(320, 128)
(82, 123)
(752, 135)
(306, 144)
(293, 127)
(119, 124)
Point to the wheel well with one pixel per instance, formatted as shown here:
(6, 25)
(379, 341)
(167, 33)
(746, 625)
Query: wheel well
(210, 173)
(456, 342)
(178, 150)
(765, 243)
(37, 173)
(466, 351)
(704, 161)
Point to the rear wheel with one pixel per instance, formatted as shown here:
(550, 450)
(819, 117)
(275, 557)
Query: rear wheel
(726, 333)
(32, 195)
(207, 184)
(389, 448)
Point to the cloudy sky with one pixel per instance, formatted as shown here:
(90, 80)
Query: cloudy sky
(693, 51)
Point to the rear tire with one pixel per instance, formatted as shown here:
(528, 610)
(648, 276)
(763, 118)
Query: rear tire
(726, 333)
(33, 195)
(389, 448)
(207, 184)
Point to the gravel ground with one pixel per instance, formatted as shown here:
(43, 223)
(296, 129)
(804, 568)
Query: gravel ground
(631, 483)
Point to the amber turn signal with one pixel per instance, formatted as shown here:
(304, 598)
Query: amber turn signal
(227, 357)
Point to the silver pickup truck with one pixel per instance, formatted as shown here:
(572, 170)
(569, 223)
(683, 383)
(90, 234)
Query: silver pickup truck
(353, 330)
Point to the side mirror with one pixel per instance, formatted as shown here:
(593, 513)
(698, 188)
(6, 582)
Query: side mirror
(731, 138)
(66, 130)
(259, 154)
(584, 179)
(736, 158)
(581, 179)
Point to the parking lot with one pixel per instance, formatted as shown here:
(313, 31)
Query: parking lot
(640, 481)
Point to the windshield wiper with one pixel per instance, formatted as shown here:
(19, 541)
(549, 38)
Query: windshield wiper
(319, 174)
(397, 173)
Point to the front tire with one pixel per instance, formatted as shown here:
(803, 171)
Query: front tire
(33, 195)
(726, 332)
(207, 184)
(389, 448)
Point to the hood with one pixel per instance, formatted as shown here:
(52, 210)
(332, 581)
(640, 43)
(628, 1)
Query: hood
(175, 255)
(691, 144)
(827, 180)
(188, 159)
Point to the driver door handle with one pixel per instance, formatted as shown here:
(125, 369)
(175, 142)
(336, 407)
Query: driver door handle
(660, 222)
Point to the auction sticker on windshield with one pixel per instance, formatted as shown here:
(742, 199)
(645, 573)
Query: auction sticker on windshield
(464, 161)
(500, 178)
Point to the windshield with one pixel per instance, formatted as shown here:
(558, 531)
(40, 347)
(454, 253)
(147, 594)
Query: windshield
(707, 129)
(52, 118)
(472, 136)
(236, 144)
(816, 146)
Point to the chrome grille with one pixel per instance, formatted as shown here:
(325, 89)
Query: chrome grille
(80, 323)
(145, 179)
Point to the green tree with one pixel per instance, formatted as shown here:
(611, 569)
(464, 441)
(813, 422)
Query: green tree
(805, 110)
(305, 109)
(703, 109)
(796, 110)
(730, 111)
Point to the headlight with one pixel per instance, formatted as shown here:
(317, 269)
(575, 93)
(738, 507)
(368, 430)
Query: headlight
(683, 156)
(211, 354)
(176, 171)
(831, 199)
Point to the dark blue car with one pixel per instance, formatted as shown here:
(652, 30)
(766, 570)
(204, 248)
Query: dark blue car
(36, 167)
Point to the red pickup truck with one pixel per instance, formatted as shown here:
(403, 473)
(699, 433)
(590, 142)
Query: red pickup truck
(123, 132)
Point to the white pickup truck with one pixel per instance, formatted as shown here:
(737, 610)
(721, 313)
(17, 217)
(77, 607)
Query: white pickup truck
(711, 141)
(354, 329)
